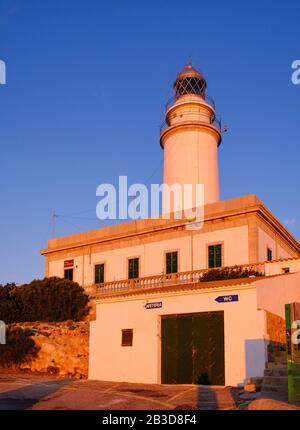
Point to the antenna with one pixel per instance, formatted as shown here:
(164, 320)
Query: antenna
(54, 216)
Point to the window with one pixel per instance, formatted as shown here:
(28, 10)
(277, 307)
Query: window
(68, 269)
(133, 268)
(68, 274)
(127, 337)
(171, 262)
(285, 270)
(215, 256)
(99, 273)
(269, 254)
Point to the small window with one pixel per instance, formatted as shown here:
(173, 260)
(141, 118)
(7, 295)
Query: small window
(285, 270)
(68, 274)
(99, 273)
(127, 337)
(214, 256)
(171, 262)
(133, 268)
(269, 254)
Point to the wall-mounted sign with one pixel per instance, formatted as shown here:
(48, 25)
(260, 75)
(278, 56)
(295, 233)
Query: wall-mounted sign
(226, 299)
(68, 263)
(153, 305)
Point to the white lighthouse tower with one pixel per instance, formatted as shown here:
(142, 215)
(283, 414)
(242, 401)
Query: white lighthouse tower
(190, 137)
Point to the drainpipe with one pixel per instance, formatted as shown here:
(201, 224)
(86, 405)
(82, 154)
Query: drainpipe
(192, 250)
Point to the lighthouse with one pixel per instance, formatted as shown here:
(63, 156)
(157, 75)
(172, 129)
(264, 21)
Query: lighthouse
(190, 137)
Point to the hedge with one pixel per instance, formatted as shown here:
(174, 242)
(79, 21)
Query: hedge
(50, 300)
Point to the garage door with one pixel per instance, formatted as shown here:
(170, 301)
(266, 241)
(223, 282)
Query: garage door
(192, 349)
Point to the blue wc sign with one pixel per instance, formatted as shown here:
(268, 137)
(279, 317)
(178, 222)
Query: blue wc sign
(227, 299)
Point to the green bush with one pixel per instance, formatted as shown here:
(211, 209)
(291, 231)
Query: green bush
(49, 299)
(19, 348)
(10, 304)
(229, 273)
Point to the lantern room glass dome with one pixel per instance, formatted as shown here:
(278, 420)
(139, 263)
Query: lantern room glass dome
(189, 81)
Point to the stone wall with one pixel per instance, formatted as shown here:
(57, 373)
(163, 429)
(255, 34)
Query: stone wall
(277, 333)
(63, 348)
(276, 328)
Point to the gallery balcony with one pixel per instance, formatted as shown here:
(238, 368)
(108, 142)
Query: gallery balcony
(191, 278)
(215, 122)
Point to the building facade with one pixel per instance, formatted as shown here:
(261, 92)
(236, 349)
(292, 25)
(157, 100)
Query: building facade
(235, 232)
(182, 305)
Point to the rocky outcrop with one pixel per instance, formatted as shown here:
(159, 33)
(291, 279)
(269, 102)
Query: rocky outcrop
(276, 328)
(63, 348)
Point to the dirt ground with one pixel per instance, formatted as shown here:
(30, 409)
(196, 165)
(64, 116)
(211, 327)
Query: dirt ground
(19, 391)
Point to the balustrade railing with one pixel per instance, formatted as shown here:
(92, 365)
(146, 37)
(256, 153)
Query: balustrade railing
(190, 277)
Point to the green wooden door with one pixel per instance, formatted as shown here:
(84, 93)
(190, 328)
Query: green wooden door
(193, 349)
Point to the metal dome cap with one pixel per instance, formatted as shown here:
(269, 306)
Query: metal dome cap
(189, 81)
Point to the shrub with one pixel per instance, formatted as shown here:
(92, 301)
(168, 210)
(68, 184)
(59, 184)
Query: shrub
(19, 348)
(49, 299)
(229, 273)
(10, 304)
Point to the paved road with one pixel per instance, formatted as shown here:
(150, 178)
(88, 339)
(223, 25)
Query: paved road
(22, 391)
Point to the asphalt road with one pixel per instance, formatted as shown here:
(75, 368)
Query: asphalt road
(30, 391)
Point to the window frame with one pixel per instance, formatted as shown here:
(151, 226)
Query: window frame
(69, 269)
(269, 249)
(130, 342)
(136, 257)
(221, 244)
(170, 251)
(102, 263)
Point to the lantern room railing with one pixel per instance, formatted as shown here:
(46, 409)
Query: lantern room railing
(209, 100)
(215, 121)
(181, 278)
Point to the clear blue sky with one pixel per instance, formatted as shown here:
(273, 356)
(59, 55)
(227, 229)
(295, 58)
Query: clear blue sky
(86, 86)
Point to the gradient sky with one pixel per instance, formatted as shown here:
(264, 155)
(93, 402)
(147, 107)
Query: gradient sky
(86, 86)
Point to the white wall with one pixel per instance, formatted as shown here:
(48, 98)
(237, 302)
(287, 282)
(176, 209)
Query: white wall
(276, 267)
(152, 255)
(245, 352)
(274, 293)
(235, 246)
(266, 241)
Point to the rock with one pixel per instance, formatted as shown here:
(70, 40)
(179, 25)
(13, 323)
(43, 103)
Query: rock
(269, 404)
(63, 352)
(53, 370)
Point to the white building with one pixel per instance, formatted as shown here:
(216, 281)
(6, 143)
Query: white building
(160, 316)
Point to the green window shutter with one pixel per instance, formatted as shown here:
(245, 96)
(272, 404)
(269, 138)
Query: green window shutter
(218, 251)
(130, 269)
(171, 262)
(174, 262)
(136, 267)
(269, 254)
(168, 263)
(211, 257)
(133, 268)
(214, 256)
(99, 273)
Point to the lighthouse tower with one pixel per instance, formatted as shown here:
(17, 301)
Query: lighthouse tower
(190, 137)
